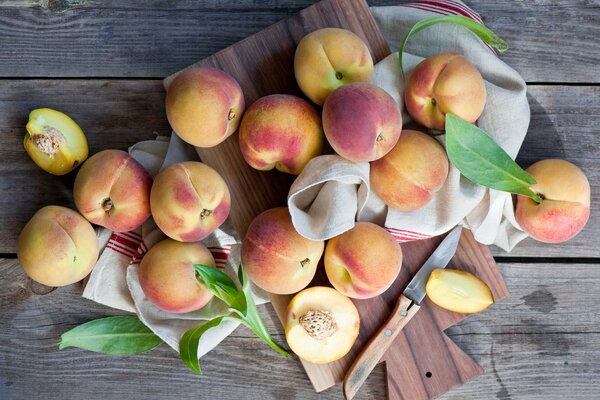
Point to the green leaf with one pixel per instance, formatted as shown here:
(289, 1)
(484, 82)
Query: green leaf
(112, 335)
(251, 318)
(241, 307)
(218, 282)
(480, 30)
(188, 344)
(481, 160)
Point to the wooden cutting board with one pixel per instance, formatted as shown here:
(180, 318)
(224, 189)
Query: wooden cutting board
(423, 362)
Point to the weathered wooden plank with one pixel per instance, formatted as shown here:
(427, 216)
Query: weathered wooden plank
(118, 113)
(113, 113)
(549, 42)
(540, 343)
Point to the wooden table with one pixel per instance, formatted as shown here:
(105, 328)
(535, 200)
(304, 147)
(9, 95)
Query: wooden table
(102, 62)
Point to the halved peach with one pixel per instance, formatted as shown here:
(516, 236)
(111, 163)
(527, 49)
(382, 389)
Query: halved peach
(54, 141)
(321, 324)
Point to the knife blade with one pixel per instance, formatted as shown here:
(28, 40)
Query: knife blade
(406, 307)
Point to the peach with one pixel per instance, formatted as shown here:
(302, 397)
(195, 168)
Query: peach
(407, 176)
(189, 200)
(565, 208)
(57, 247)
(280, 131)
(363, 262)
(276, 257)
(168, 278)
(321, 324)
(444, 83)
(113, 190)
(54, 141)
(204, 106)
(362, 122)
(329, 58)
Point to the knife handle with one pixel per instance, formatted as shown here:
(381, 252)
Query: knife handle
(378, 344)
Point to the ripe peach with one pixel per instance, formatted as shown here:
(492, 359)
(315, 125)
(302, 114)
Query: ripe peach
(565, 208)
(54, 141)
(204, 106)
(276, 257)
(168, 278)
(329, 58)
(57, 247)
(363, 262)
(361, 121)
(321, 324)
(280, 131)
(444, 83)
(406, 177)
(189, 200)
(113, 190)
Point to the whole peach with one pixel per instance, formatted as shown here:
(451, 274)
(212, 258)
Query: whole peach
(406, 177)
(168, 278)
(362, 122)
(565, 208)
(280, 131)
(113, 190)
(276, 257)
(444, 83)
(364, 261)
(329, 58)
(189, 200)
(204, 106)
(57, 247)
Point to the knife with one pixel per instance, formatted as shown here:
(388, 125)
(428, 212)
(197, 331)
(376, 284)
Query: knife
(406, 307)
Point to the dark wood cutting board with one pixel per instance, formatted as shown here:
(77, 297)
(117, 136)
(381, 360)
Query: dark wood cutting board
(423, 362)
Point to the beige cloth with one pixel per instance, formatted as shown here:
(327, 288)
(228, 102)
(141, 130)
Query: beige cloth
(331, 193)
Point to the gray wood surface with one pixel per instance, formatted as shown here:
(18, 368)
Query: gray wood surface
(158, 37)
(101, 61)
(540, 343)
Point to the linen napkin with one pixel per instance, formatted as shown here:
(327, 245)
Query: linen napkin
(331, 193)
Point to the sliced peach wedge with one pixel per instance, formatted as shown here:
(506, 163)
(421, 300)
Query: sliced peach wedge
(321, 324)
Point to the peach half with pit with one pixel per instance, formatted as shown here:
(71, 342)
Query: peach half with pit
(321, 324)
(54, 141)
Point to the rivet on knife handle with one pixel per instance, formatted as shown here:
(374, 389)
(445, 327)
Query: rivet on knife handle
(371, 354)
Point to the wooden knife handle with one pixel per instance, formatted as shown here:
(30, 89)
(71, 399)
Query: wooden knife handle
(378, 344)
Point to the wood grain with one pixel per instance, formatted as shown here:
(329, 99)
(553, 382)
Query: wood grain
(540, 343)
(92, 38)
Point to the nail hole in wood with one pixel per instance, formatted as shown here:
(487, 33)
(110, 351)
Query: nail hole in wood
(428, 374)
